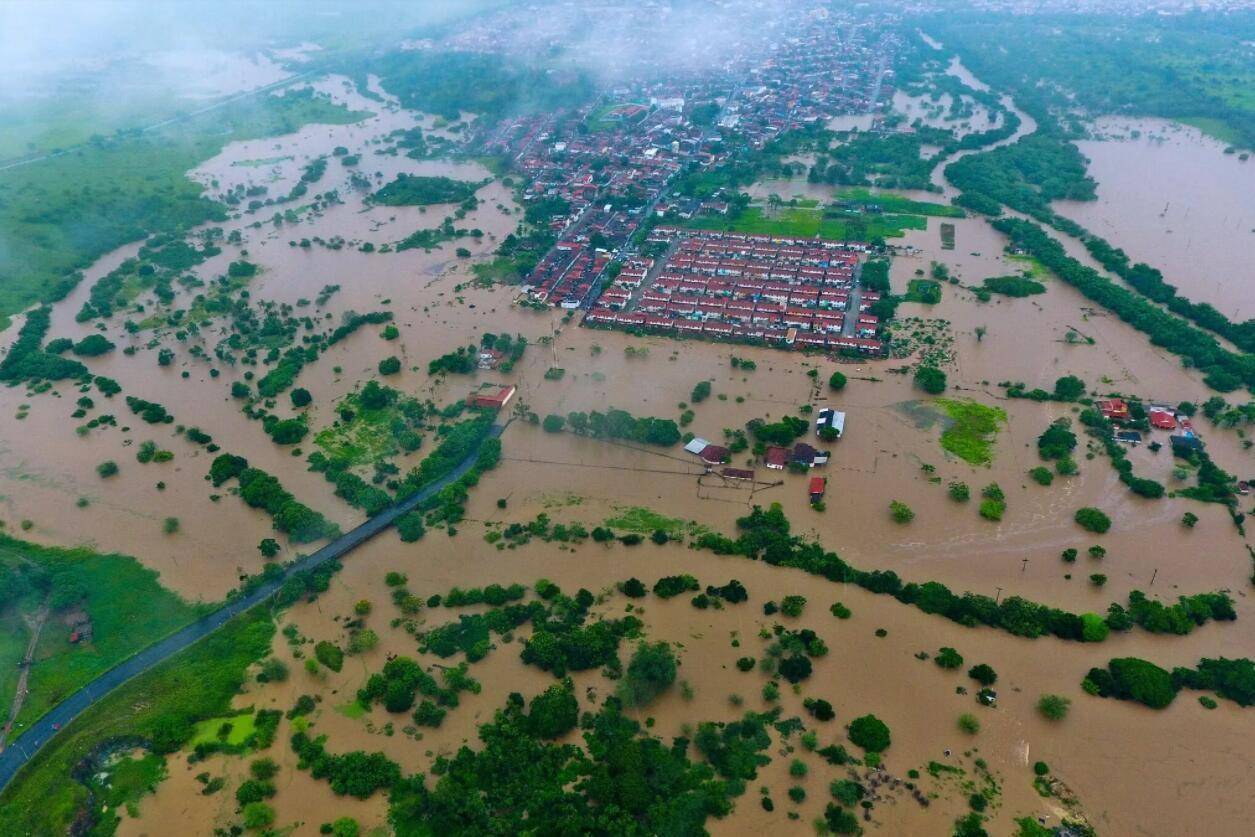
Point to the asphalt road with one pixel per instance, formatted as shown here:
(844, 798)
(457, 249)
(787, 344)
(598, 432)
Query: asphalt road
(25, 746)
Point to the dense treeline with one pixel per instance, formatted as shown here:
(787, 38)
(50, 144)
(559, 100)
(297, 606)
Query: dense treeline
(283, 374)
(262, 491)
(27, 361)
(1130, 678)
(764, 535)
(620, 424)
(448, 83)
(415, 190)
(1188, 67)
(1223, 370)
(622, 780)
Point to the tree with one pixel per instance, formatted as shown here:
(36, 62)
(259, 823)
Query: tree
(93, 345)
(269, 547)
(301, 397)
(948, 658)
(1053, 707)
(1069, 388)
(983, 674)
(795, 668)
(930, 379)
(258, 815)
(410, 527)
(900, 512)
(870, 733)
(650, 672)
(107, 469)
(1092, 520)
(554, 712)
(700, 392)
(836, 382)
(390, 365)
(553, 423)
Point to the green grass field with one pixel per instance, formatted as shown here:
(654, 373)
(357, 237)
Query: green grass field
(59, 215)
(128, 607)
(162, 706)
(972, 430)
(807, 222)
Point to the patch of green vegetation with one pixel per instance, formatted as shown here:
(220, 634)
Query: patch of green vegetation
(60, 214)
(646, 521)
(127, 607)
(415, 190)
(809, 222)
(972, 431)
(241, 726)
(925, 291)
(161, 706)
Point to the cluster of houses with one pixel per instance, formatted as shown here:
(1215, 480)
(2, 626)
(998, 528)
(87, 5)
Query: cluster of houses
(613, 161)
(779, 291)
(829, 426)
(1182, 436)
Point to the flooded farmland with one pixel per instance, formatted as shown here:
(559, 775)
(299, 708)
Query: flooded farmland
(1170, 196)
(879, 658)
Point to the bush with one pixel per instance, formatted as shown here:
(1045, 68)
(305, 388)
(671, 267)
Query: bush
(107, 469)
(410, 526)
(792, 606)
(969, 724)
(553, 423)
(330, 655)
(258, 815)
(1041, 476)
(901, 512)
(836, 382)
(1053, 707)
(948, 658)
(959, 492)
(840, 611)
(390, 365)
(1129, 678)
(1092, 520)
(983, 674)
(870, 733)
(650, 672)
(930, 379)
(992, 509)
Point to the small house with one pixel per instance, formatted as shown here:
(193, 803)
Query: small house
(491, 397)
(776, 457)
(1162, 419)
(830, 419)
(817, 487)
(1114, 409)
(804, 454)
(1184, 444)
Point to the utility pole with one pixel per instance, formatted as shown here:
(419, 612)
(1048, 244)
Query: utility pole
(1024, 566)
(1152, 576)
(998, 597)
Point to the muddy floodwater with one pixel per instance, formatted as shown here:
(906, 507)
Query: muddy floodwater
(1130, 770)
(1169, 196)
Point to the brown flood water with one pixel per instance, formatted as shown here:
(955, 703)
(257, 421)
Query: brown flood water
(1171, 197)
(1111, 754)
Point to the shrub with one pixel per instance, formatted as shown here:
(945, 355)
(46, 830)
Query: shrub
(107, 469)
(1053, 707)
(258, 815)
(901, 512)
(329, 654)
(1041, 476)
(870, 733)
(410, 526)
(983, 674)
(553, 423)
(650, 672)
(819, 708)
(1092, 520)
(840, 611)
(1189, 519)
(390, 365)
(930, 379)
(792, 606)
(836, 382)
(797, 769)
(948, 658)
(969, 724)
(992, 509)
(959, 492)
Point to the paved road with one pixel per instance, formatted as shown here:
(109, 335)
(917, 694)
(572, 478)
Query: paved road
(25, 746)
